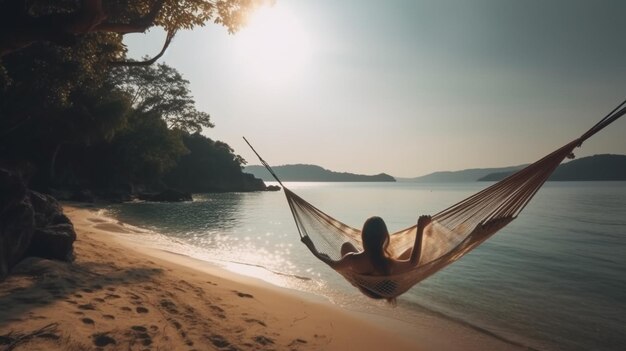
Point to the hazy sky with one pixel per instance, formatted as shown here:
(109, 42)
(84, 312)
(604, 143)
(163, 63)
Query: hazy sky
(408, 87)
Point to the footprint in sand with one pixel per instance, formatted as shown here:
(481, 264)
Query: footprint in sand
(169, 306)
(241, 294)
(218, 311)
(102, 339)
(141, 310)
(87, 306)
(297, 342)
(108, 316)
(219, 341)
(263, 340)
(126, 308)
(88, 321)
(141, 334)
(252, 320)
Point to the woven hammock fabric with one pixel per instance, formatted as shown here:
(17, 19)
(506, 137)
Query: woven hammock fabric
(452, 232)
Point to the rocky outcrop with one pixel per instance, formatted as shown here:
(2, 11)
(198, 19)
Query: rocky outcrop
(54, 234)
(17, 220)
(31, 224)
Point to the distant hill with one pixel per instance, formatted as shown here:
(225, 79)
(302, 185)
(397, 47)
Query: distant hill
(598, 167)
(312, 173)
(466, 175)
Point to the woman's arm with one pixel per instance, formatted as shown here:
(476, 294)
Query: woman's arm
(422, 222)
(321, 256)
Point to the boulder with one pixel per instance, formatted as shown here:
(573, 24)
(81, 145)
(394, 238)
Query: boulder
(17, 220)
(272, 188)
(31, 223)
(53, 241)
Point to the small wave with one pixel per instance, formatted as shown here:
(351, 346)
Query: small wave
(267, 269)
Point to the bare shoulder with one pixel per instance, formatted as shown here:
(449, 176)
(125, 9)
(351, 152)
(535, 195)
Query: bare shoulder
(355, 261)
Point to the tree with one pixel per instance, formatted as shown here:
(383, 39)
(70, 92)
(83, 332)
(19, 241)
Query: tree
(210, 166)
(162, 90)
(63, 22)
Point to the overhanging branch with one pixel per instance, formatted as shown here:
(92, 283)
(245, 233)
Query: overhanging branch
(168, 40)
(20, 29)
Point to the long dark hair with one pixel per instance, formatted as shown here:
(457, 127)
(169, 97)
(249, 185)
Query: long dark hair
(375, 237)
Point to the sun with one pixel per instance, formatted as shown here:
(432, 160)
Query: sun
(274, 45)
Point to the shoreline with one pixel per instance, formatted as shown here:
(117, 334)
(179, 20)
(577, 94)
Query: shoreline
(174, 301)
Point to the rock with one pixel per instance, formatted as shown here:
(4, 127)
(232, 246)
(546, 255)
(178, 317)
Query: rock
(168, 195)
(17, 220)
(272, 188)
(31, 223)
(47, 208)
(55, 241)
(53, 235)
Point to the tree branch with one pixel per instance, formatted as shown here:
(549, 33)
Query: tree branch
(21, 30)
(139, 26)
(168, 40)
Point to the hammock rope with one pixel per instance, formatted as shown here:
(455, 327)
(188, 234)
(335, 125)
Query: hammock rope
(452, 233)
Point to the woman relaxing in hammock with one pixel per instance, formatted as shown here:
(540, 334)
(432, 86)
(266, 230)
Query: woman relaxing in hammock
(374, 260)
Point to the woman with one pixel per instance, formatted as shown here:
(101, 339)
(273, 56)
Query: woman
(374, 259)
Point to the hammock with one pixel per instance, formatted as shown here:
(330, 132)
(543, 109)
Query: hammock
(452, 232)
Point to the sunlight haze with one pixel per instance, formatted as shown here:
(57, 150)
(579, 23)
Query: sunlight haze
(407, 87)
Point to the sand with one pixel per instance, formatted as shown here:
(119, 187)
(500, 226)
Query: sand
(121, 295)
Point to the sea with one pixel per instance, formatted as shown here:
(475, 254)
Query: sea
(553, 279)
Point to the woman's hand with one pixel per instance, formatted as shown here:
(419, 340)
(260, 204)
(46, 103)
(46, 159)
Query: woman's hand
(424, 220)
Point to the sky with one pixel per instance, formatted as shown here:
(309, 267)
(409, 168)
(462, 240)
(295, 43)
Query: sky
(408, 87)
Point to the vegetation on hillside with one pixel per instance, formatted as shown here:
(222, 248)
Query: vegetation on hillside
(76, 114)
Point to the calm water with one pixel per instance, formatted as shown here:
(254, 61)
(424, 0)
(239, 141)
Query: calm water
(554, 279)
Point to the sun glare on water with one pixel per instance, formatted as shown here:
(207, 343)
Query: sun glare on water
(273, 46)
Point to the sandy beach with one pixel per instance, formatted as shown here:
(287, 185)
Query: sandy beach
(122, 295)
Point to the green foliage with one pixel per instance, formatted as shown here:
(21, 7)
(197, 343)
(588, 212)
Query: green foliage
(82, 123)
(145, 149)
(162, 90)
(209, 166)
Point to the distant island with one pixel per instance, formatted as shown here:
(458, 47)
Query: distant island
(313, 173)
(593, 168)
(466, 175)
